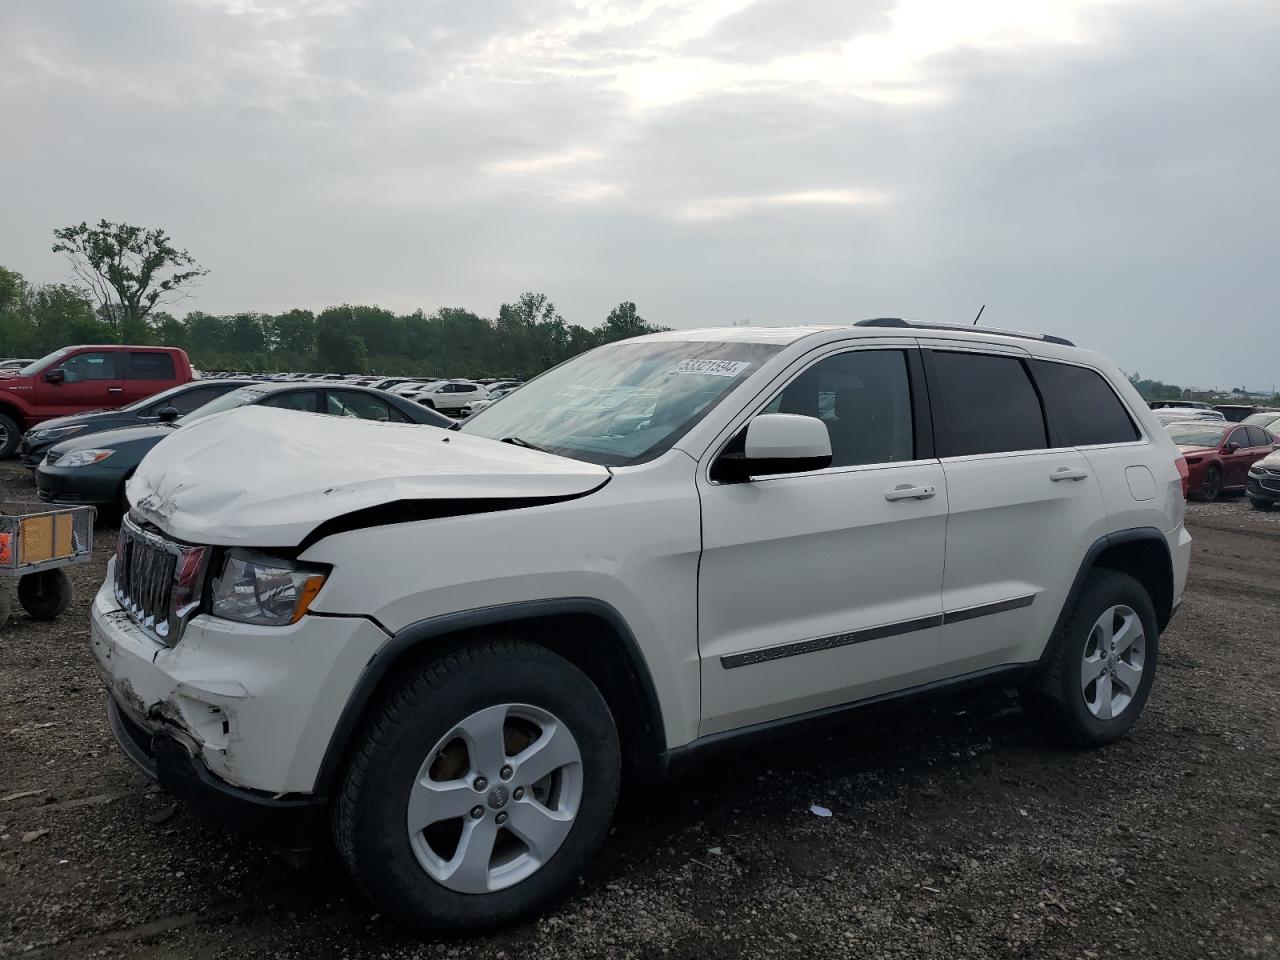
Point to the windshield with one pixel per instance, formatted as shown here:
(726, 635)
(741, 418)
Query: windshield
(1196, 434)
(228, 401)
(623, 403)
(37, 365)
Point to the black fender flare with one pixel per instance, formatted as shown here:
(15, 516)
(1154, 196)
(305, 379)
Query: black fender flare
(422, 632)
(1100, 546)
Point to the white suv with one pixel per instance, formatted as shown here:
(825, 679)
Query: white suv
(708, 535)
(449, 396)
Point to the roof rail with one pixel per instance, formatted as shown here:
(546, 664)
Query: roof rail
(899, 323)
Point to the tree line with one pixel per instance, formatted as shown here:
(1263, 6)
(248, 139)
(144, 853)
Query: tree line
(127, 273)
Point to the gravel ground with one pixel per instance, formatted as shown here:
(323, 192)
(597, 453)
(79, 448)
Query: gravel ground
(956, 832)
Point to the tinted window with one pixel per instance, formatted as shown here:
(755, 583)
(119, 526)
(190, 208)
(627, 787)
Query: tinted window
(985, 404)
(151, 366)
(1257, 438)
(1240, 437)
(1085, 408)
(465, 388)
(90, 366)
(294, 400)
(864, 398)
(352, 403)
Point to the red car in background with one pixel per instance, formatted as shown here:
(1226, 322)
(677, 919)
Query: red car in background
(1219, 455)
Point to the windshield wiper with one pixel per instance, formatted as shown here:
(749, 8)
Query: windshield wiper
(518, 442)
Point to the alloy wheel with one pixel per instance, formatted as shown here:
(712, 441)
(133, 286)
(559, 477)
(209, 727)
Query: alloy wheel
(495, 798)
(1111, 668)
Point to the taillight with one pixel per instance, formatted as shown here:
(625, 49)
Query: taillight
(1185, 473)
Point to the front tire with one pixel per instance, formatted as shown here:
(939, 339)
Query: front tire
(483, 786)
(1211, 485)
(10, 435)
(1260, 504)
(1098, 671)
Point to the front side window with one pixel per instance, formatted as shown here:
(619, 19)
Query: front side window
(304, 400)
(983, 403)
(83, 367)
(1240, 438)
(228, 401)
(864, 398)
(1086, 411)
(623, 403)
(188, 401)
(150, 366)
(353, 403)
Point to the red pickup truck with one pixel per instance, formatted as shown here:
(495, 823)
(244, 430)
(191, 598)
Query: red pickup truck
(76, 379)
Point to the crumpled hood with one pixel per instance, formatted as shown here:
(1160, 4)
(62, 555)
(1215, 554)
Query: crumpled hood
(263, 477)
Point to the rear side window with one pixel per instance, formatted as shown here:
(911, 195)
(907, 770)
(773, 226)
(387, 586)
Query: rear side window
(151, 366)
(1259, 437)
(1086, 410)
(985, 404)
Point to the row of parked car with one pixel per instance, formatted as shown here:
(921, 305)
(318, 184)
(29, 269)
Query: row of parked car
(454, 396)
(1226, 452)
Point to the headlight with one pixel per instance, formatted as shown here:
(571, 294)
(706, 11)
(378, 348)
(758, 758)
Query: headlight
(56, 433)
(258, 588)
(82, 458)
(1256, 471)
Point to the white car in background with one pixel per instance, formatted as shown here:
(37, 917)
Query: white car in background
(1167, 415)
(449, 396)
(495, 394)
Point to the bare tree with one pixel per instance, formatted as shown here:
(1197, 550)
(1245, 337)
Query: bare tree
(127, 269)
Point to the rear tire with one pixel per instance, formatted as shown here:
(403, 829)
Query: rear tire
(10, 435)
(45, 595)
(1089, 692)
(423, 754)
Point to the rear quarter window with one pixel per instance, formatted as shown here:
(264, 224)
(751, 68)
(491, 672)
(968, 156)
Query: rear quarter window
(1086, 410)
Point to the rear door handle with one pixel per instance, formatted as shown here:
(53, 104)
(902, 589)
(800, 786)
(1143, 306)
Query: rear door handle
(1067, 473)
(115, 389)
(907, 492)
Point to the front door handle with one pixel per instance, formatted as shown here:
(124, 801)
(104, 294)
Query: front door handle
(907, 492)
(115, 389)
(1067, 473)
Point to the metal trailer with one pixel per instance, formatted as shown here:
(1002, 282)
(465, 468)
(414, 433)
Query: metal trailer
(37, 541)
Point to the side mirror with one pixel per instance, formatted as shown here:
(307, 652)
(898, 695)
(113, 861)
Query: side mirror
(1231, 447)
(56, 375)
(778, 443)
(167, 414)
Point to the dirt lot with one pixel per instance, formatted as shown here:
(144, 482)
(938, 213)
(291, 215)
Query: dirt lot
(955, 831)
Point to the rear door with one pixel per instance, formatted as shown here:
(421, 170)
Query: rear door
(149, 371)
(1023, 509)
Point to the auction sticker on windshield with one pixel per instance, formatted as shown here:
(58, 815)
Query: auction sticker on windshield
(715, 368)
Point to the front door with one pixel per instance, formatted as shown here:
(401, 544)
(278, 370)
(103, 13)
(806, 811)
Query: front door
(92, 380)
(821, 588)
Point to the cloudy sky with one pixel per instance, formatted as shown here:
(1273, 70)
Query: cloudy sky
(1107, 171)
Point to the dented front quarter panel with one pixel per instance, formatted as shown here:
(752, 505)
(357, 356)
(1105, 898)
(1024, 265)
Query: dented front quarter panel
(256, 705)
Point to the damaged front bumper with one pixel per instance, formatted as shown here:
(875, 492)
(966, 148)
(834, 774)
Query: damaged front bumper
(234, 715)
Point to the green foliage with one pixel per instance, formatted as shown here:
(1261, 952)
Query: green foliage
(527, 336)
(127, 269)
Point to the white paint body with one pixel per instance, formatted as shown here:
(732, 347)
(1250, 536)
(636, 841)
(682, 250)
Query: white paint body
(698, 570)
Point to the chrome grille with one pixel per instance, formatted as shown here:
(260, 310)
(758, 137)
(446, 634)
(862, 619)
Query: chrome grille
(155, 580)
